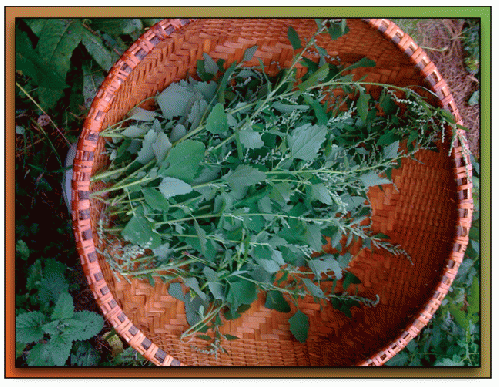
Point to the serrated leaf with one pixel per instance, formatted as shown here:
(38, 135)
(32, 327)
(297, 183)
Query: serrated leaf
(363, 62)
(85, 355)
(139, 114)
(306, 140)
(337, 30)
(183, 160)
(196, 113)
(275, 300)
(177, 132)
(363, 105)
(60, 349)
(91, 83)
(294, 39)
(40, 356)
(29, 327)
(210, 66)
(64, 307)
(316, 77)
(372, 178)
(314, 290)
(146, 152)
(84, 325)
(217, 120)
(298, 325)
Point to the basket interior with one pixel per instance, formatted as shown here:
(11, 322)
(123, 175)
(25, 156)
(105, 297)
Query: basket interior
(419, 212)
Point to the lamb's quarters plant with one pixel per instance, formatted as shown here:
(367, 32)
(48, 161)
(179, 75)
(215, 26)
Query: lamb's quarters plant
(234, 184)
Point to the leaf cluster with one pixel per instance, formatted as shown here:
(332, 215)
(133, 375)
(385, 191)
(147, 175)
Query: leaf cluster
(239, 177)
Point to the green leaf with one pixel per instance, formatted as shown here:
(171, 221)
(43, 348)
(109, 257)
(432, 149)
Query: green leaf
(146, 152)
(459, 316)
(22, 250)
(306, 140)
(372, 178)
(91, 83)
(275, 300)
(350, 279)
(391, 151)
(251, 139)
(60, 349)
(316, 77)
(364, 62)
(175, 290)
(175, 100)
(325, 264)
(161, 146)
(244, 176)
(241, 292)
(58, 39)
(363, 105)
(170, 187)
(217, 120)
(97, 50)
(337, 30)
(294, 39)
(177, 132)
(63, 308)
(40, 355)
(210, 66)
(321, 193)
(84, 325)
(54, 281)
(84, 355)
(155, 199)
(183, 160)
(139, 114)
(249, 53)
(314, 290)
(139, 231)
(298, 325)
(29, 327)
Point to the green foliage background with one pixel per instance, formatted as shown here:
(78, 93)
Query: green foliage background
(60, 63)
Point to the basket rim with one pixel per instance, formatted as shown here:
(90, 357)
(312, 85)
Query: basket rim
(87, 144)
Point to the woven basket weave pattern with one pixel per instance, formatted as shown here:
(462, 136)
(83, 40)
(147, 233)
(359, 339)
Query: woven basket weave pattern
(429, 213)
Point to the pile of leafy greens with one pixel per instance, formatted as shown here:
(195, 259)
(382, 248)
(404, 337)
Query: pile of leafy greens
(236, 182)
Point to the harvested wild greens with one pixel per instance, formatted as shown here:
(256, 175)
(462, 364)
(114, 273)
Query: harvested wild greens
(239, 176)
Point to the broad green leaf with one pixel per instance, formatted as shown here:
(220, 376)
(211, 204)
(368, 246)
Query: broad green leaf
(40, 356)
(64, 307)
(177, 132)
(391, 151)
(217, 120)
(58, 39)
(364, 62)
(84, 325)
(372, 178)
(196, 114)
(139, 231)
(289, 108)
(155, 199)
(171, 186)
(217, 289)
(241, 292)
(60, 349)
(321, 192)
(175, 100)
(193, 284)
(275, 300)
(298, 325)
(54, 281)
(350, 279)
(139, 114)
(183, 160)
(175, 290)
(29, 327)
(244, 176)
(251, 139)
(210, 66)
(306, 140)
(459, 316)
(294, 39)
(85, 355)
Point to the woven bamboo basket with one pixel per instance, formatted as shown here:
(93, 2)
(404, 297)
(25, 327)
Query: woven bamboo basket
(429, 214)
